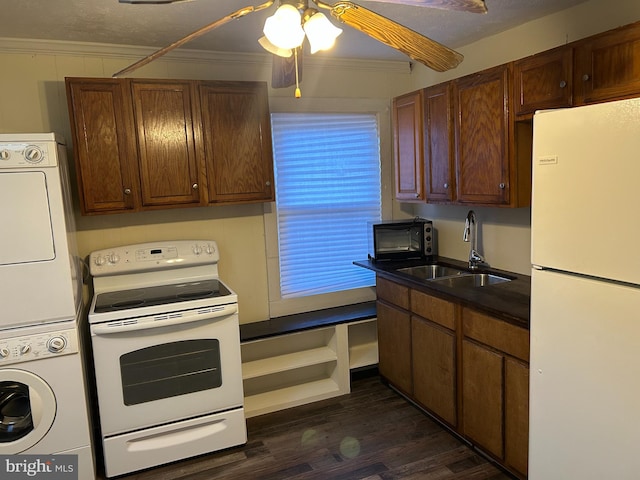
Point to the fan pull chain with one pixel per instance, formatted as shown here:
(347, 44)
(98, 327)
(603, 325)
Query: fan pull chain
(298, 94)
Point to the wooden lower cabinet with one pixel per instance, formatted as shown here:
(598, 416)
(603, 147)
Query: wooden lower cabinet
(468, 369)
(482, 397)
(434, 373)
(394, 352)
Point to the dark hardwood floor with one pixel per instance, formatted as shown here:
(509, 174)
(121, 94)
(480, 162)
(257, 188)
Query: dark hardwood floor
(371, 434)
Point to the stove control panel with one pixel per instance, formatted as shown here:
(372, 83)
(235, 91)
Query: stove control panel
(24, 348)
(152, 256)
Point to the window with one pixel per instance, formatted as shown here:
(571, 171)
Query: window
(327, 169)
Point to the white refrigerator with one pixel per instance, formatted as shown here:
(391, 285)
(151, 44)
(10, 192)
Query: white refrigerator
(585, 294)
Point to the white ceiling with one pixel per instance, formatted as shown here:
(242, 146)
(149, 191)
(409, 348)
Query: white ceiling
(110, 22)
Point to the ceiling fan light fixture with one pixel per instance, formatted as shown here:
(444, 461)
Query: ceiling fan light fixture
(321, 32)
(283, 29)
(271, 48)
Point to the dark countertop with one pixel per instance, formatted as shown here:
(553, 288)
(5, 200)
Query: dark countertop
(509, 301)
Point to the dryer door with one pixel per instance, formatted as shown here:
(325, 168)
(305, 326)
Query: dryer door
(27, 410)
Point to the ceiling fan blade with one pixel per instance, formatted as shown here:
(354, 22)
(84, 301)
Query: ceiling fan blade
(207, 28)
(283, 70)
(475, 6)
(418, 47)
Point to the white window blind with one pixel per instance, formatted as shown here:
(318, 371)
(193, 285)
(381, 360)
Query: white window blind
(327, 169)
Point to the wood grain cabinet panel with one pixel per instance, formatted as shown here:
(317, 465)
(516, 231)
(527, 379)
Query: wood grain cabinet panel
(543, 81)
(438, 144)
(482, 137)
(434, 368)
(607, 66)
(166, 144)
(516, 432)
(482, 396)
(104, 149)
(236, 133)
(394, 346)
(408, 146)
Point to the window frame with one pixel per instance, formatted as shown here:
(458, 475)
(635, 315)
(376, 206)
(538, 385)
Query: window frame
(277, 305)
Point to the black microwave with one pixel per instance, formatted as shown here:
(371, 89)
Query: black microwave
(401, 240)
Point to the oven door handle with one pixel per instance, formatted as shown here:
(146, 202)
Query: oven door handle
(165, 320)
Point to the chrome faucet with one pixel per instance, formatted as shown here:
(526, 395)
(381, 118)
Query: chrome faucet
(471, 235)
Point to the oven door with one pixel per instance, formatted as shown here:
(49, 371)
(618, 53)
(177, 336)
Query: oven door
(169, 367)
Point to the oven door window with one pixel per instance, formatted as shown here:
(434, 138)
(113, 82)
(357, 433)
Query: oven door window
(170, 369)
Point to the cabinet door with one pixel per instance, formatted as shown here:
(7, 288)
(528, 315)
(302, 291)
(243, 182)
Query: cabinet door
(394, 346)
(482, 137)
(516, 415)
(607, 66)
(236, 134)
(167, 155)
(482, 396)
(543, 81)
(438, 144)
(104, 147)
(408, 152)
(434, 378)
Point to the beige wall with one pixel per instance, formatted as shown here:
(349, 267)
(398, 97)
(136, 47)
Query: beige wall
(505, 233)
(33, 99)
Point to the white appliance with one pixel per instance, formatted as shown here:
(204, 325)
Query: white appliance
(42, 395)
(39, 268)
(166, 348)
(585, 295)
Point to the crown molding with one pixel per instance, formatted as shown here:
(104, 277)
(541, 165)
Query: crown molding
(132, 52)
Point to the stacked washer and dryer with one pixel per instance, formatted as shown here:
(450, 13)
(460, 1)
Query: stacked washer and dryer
(43, 401)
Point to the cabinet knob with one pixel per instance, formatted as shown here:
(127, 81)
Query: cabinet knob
(585, 77)
(127, 191)
(563, 84)
(194, 186)
(502, 185)
(446, 185)
(268, 183)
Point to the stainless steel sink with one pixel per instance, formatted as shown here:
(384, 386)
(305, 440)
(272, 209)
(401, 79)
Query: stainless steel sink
(430, 272)
(471, 280)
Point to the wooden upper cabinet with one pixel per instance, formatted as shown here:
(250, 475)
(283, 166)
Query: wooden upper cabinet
(166, 146)
(607, 66)
(104, 148)
(408, 148)
(151, 144)
(482, 134)
(543, 81)
(438, 144)
(236, 136)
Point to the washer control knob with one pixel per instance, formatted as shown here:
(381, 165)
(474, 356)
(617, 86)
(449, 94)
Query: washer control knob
(99, 260)
(113, 258)
(33, 154)
(4, 352)
(56, 344)
(210, 250)
(4, 155)
(24, 349)
(197, 249)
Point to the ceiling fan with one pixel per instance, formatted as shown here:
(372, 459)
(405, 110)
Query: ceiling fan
(287, 61)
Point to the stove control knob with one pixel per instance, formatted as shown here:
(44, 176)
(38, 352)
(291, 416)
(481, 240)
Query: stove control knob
(56, 344)
(4, 352)
(197, 249)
